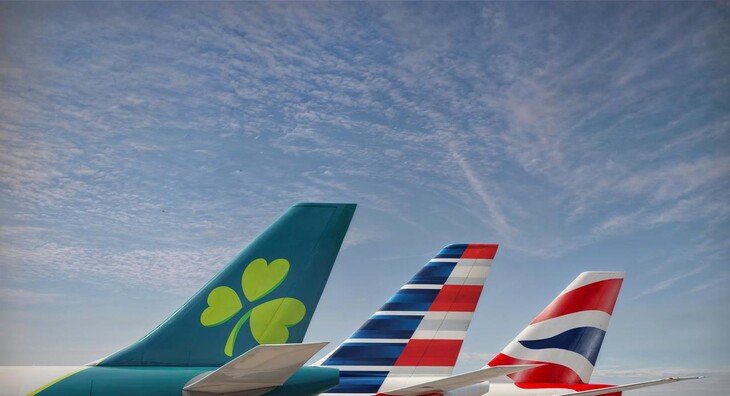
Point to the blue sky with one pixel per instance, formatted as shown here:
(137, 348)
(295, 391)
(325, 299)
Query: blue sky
(142, 145)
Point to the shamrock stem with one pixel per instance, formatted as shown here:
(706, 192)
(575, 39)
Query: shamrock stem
(234, 333)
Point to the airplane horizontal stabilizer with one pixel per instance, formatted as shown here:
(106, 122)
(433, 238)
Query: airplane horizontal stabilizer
(458, 381)
(261, 368)
(622, 388)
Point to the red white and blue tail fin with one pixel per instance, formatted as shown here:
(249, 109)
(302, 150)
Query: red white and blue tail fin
(567, 335)
(419, 331)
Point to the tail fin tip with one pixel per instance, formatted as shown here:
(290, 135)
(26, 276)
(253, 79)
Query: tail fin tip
(469, 251)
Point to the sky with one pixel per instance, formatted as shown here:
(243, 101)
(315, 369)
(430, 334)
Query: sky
(143, 144)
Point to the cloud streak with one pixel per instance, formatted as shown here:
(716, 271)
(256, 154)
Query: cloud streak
(145, 142)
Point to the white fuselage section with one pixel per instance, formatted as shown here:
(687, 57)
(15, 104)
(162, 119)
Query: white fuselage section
(509, 389)
(505, 389)
(483, 389)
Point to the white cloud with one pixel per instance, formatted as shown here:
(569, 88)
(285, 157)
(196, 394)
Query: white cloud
(176, 271)
(668, 283)
(132, 154)
(29, 297)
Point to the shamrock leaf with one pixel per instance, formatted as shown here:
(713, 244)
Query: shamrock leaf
(260, 279)
(271, 320)
(223, 303)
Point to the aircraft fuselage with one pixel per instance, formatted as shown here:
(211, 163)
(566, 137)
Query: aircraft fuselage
(143, 380)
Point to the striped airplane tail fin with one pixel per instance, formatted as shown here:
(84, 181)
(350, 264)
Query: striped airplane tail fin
(419, 331)
(567, 335)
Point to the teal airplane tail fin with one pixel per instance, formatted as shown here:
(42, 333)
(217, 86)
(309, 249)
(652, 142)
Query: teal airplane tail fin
(266, 295)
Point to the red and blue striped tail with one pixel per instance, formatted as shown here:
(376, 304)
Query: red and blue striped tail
(567, 335)
(419, 331)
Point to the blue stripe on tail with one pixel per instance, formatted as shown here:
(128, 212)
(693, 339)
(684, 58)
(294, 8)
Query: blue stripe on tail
(452, 251)
(389, 327)
(585, 341)
(360, 382)
(365, 354)
(434, 273)
(411, 300)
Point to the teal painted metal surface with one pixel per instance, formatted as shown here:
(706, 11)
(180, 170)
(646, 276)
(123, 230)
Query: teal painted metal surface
(112, 381)
(169, 381)
(308, 237)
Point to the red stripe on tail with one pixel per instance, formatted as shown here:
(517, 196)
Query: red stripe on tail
(549, 373)
(575, 387)
(430, 353)
(480, 251)
(598, 296)
(456, 298)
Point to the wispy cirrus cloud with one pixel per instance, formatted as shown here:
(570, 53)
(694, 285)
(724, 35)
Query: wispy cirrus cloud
(526, 109)
(505, 131)
(29, 297)
(668, 283)
(129, 147)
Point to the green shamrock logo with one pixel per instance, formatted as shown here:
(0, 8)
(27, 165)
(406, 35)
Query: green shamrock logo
(270, 321)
